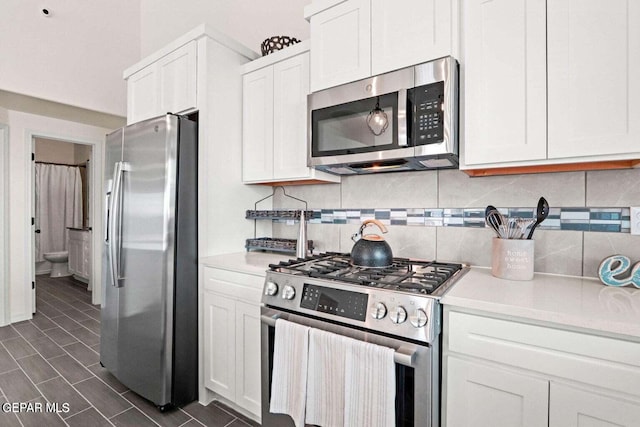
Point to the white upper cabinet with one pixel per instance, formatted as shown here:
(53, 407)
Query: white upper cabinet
(142, 95)
(341, 44)
(166, 85)
(504, 89)
(290, 89)
(408, 32)
(594, 90)
(177, 75)
(274, 121)
(355, 39)
(549, 82)
(257, 125)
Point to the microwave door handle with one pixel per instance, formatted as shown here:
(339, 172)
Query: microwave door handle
(402, 118)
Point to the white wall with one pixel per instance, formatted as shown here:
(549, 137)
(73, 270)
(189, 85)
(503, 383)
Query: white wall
(22, 128)
(247, 21)
(4, 276)
(76, 56)
(50, 150)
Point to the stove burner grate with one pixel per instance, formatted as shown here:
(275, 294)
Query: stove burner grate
(404, 274)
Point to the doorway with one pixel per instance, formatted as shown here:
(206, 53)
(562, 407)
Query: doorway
(65, 185)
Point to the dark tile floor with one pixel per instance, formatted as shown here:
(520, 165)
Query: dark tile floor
(54, 358)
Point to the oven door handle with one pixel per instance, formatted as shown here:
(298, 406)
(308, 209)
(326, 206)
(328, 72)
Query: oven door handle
(403, 355)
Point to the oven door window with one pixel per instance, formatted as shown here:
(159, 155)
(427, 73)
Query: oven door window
(343, 129)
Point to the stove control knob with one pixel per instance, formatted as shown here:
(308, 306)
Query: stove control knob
(288, 292)
(398, 314)
(270, 289)
(419, 318)
(378, 310)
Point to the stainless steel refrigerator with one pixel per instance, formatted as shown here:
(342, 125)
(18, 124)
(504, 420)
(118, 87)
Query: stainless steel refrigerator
(149, 333)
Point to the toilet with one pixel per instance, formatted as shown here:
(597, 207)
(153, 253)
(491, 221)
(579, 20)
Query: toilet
(59, 263)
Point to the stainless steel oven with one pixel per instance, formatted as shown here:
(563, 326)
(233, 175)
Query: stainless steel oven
(402, 120)
(402, 313)
(417, 371)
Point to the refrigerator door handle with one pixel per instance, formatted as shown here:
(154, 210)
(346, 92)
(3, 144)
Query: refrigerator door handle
(107, 207)
(115, 223)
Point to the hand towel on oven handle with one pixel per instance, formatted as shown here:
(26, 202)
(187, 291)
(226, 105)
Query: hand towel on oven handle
(350, 382)
(326, 379)
(289, 383)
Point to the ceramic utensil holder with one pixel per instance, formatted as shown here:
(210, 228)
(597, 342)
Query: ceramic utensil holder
(512, 259)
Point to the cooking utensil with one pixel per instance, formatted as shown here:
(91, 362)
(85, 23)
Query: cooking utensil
(542, 211)
(494, 218)
(371, 250)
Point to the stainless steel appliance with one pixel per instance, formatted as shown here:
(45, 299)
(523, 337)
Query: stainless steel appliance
(149, 332)
(402, 120)
(397, 307)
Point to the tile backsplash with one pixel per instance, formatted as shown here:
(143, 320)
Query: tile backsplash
(439, 214)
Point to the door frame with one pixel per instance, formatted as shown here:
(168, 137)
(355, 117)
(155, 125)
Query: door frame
(95, 188)
(4, 225)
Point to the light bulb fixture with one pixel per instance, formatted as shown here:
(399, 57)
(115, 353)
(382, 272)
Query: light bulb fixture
(377, 120)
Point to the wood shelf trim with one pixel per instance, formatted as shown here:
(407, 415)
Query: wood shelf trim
(566, 167)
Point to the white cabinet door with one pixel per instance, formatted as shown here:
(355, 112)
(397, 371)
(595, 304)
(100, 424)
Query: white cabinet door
(177, 80)
(142, 95)
(341, 44)
(219, 341)
(257, 125)
(594, 90)
(86, 256)
(571, 407)
(409, 32)
(248, 385)
(504, 80)
(291, 87)
(75, 254)
(166, 86)
(482, 396)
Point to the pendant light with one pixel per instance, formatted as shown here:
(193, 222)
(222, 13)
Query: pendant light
(377, 120)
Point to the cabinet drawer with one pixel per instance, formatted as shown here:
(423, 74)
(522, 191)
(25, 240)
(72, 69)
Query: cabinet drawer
(604, 362)
(245, 287)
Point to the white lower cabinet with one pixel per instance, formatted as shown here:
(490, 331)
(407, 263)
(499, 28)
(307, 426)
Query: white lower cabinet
(572, 407)
(80, 253)
(501, 372)
(231, 335)
(484, 396)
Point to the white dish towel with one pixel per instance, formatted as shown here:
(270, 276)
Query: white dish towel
(350, 383)
(289, 384)
(370, 385)
(325, 384)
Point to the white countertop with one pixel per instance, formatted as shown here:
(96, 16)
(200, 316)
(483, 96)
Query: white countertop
(255, 263)
(576, 302)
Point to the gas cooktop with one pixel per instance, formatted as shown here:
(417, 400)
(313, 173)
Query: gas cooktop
(404, 275)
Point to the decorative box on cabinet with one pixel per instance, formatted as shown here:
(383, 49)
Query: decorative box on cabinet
(231, 337)
(275, 90)
(354, 39)
(509, 372)
(534, 94)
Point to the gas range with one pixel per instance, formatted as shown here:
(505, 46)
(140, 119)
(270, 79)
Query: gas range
(400, 300)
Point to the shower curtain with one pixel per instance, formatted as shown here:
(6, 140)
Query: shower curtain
(58, 206)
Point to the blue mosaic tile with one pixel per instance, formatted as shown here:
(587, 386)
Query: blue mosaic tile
(605, 227)
(382, 214)
(579, 219)
(574, 226)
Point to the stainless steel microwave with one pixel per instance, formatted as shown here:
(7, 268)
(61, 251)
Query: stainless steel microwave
(402, 120)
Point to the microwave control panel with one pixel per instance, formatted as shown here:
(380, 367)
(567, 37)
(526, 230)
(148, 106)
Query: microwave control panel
(427, 109)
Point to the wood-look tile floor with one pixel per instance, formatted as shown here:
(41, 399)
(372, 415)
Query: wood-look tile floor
(54, 358)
